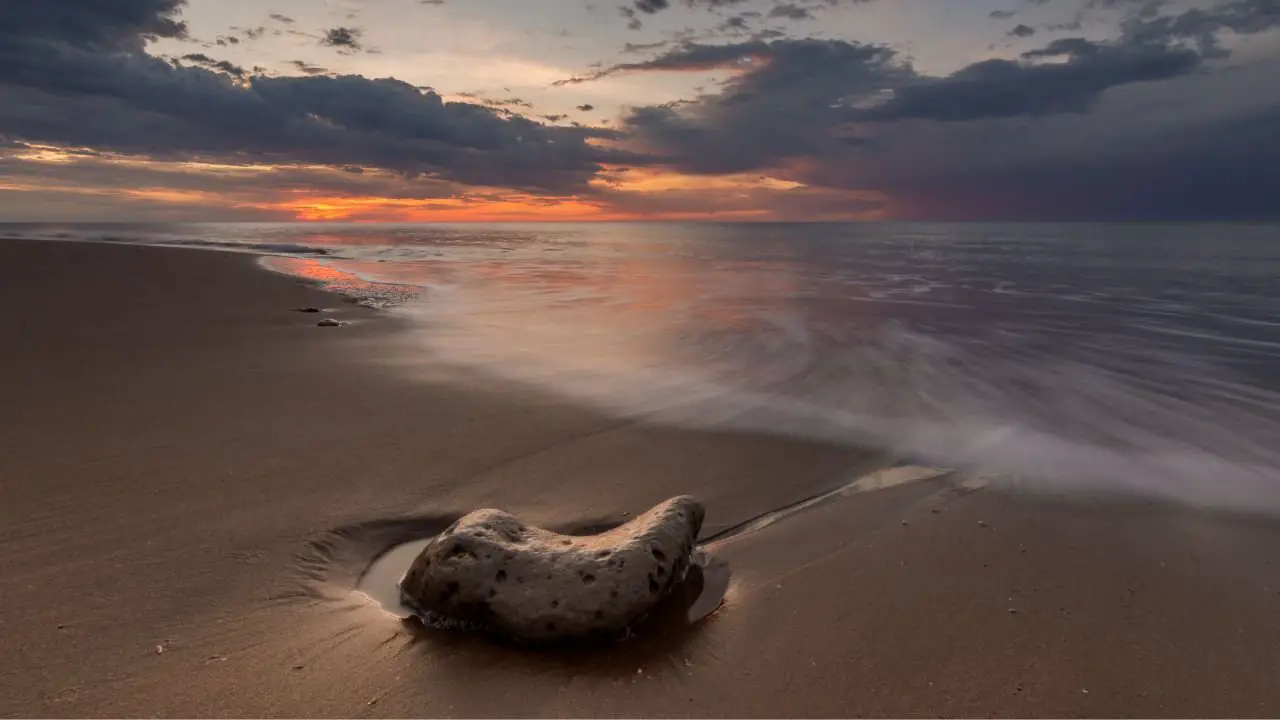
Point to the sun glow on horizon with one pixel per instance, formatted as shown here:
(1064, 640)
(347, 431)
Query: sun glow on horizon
(307, 207)
(319, 193)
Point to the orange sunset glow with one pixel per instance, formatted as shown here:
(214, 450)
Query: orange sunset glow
(620, 194)
(315, 208)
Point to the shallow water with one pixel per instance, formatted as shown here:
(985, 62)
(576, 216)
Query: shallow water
(1128, 359)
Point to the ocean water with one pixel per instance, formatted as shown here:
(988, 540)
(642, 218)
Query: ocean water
(1127, 359)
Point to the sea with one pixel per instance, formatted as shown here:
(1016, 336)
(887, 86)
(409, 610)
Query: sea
(1131, 360)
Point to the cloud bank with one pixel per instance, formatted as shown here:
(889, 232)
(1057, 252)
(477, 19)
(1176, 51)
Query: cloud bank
(1158, 118)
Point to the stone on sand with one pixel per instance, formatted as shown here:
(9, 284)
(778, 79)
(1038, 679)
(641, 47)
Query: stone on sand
(493, 569)
(329, 322)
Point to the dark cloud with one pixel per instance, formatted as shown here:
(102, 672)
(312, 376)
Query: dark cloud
(1007, 88)
(1221, 170)
(999, 138)
(635, 48)
(651, 6)
(118, 25)
(633, 22)
(307, 68)
(1022, 31)
(1150, 47)
(285, 19)
(736, 24)
(785, 103)
(1003, 14)
(342, 38)
(220, 65)
(768, 34)
(508, 102)
(701, 56)
(1134, 125)
(1203, 26)
(787, 9)
(791, 12)
(85, 82)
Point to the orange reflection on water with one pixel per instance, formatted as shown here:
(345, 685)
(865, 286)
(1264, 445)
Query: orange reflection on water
(338, 280)
(309, 269)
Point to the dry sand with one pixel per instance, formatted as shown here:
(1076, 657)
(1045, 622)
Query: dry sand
(193, 475)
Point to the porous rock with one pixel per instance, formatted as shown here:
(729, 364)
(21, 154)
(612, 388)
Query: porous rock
(492, 569)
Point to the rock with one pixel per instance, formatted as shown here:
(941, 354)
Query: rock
(329, 322)
(491, 569)
(309, 310)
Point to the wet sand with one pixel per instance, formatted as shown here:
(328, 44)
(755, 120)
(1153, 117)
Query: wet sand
(194, 477)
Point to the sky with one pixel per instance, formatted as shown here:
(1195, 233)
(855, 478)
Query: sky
(580, 110)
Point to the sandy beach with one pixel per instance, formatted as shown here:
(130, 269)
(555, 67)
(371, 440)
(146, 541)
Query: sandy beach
(194, 475)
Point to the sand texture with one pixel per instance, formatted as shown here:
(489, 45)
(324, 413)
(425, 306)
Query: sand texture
(194, 476)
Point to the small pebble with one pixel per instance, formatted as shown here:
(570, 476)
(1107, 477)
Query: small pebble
(905, 523)
(309, 310)
(298, 667)
(982, 523)
(1013, 611)
(329, 322)
(159, 649)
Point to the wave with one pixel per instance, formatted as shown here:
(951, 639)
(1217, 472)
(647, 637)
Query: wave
(1104, 418)
(1091, 359)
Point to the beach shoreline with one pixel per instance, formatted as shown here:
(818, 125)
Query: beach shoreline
(195, 474)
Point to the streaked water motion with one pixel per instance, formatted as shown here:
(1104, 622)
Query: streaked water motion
(1132, 359)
